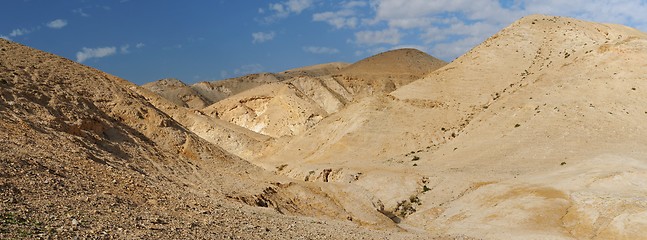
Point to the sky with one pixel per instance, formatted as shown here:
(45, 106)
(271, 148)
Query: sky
(206, 40)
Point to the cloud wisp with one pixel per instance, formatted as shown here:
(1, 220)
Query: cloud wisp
(19, 32)
(57, 24)
(100, 52)
(387, 36)
(261, 37)
(284, 9)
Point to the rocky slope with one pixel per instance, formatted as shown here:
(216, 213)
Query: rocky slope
(178, 93)
(202, 94)
(86, 155)
(520, 137)
(556, 122)
(291, 107)
(287, 108)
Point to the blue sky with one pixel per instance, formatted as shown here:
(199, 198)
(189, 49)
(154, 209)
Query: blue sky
(202, 40)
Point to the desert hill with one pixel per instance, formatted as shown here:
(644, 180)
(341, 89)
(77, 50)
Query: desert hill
(315, 70)
(178, 93)
(405, 61)
(286, 108)
(387, 71)
(558, 126)
(521, 136)
(291, 107)
(202, 94)
(85, 154)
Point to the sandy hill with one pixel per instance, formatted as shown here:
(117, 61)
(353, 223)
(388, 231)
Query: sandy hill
(215, 91)
(535, 133)
(291, 107)
(85, 154)
(281, 109)
(178, 93)
(385, 72)
(202, 94)
(316, 70)
(405, 61)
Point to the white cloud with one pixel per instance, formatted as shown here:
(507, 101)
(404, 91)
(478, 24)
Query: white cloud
(260, 37)
(352, 4)
(124, 49)
(297, 6)
(346, 17)
(140, 45)
(339, 19)
(320, 50)
(452, 27)
(19, 32)
(284, 9)
(88, 53)
(387, 36)
(57, 24)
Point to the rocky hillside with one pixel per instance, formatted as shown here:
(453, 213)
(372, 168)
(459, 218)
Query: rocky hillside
(86, 155)
(178, 93)
(202, 94)
(520, 137)
(291, 107)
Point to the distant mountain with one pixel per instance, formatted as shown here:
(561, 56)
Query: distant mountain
(202, 94)
(178, 93)
(387, 71)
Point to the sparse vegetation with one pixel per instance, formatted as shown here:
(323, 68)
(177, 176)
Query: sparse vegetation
(415, 158)
(281, 167)
(18, 226)
(517, 125)
(407, 207)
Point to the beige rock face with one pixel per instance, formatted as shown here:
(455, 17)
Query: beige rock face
(202, 94)
(291, 107)
(315, 70)
(178, 93)
(287, 108)
(219, 90)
